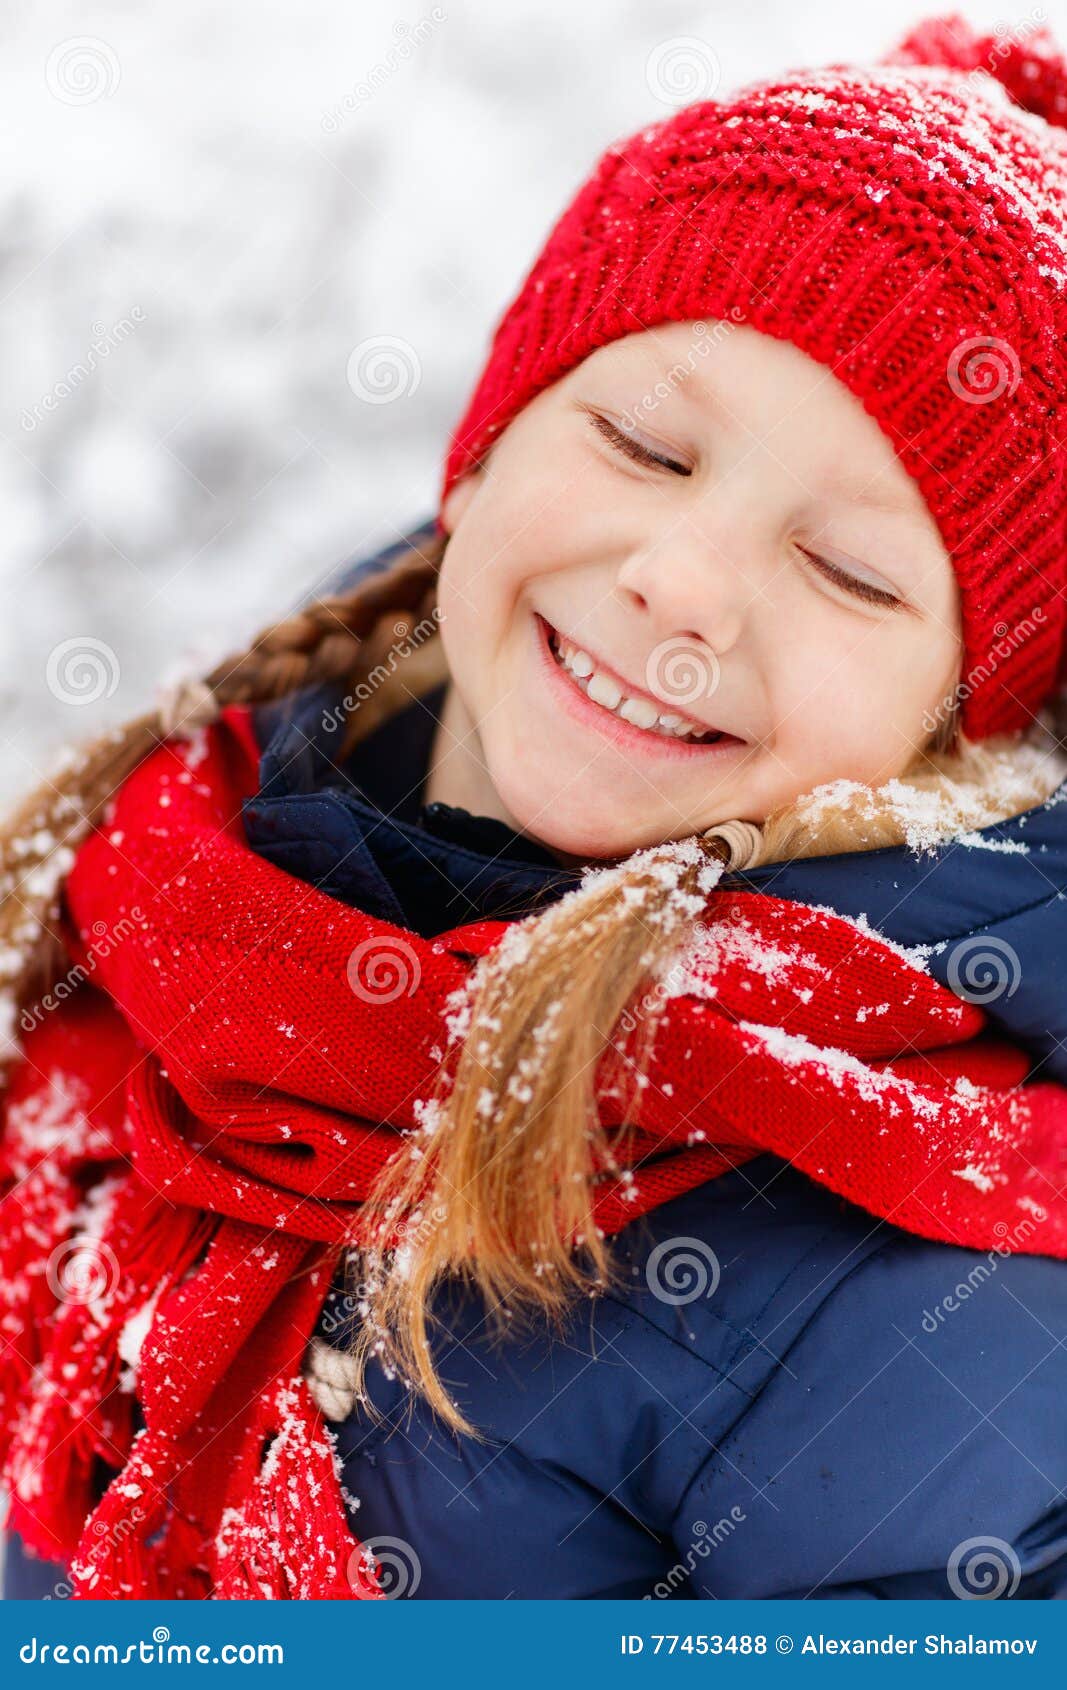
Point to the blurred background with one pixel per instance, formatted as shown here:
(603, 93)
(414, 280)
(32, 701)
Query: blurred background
(251, 257)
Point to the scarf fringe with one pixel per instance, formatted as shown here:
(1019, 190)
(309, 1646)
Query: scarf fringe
(136, 1544)
(38, 1214)
(284, 1537)
(288, 1539)
(81, 1409)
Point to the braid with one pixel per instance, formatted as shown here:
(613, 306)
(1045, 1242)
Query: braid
(331, 639)
(322, 641)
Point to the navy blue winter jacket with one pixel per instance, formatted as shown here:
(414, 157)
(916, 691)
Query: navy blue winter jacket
(854, 1411)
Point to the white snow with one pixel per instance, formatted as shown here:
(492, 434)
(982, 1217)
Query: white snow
(975, 1176)
(929, 818)
(836, 1064)
(51, 1116)
(131, 1339)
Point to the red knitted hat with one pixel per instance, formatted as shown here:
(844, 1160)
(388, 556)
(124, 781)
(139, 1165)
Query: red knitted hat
(904, 224)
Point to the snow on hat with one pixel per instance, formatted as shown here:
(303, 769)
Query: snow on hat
(904, 224)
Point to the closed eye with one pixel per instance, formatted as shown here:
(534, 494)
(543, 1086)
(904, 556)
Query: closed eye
(633, 448)
(852, 583)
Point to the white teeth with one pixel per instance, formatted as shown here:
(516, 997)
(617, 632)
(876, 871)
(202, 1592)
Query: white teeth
(640, 711)
(607, 693)
(602, 690)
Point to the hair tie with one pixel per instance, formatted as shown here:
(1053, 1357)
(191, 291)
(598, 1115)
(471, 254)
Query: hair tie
(743, 842)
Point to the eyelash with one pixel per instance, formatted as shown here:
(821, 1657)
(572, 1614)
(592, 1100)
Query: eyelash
(651, 460)
(632, 448)
(852, 583)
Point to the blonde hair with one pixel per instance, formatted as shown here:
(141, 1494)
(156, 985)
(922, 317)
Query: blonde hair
(496, 1188)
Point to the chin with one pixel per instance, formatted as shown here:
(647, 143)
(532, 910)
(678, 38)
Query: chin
(588, 841)
(582, 827)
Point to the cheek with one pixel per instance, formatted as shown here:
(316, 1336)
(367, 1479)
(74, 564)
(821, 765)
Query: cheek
(550, 499)
(461, 631)
(862, 704)
(476, 596)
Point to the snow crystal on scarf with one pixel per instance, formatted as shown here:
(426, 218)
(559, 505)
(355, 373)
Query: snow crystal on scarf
(720, 943)
(49, 1120)
(836, 1064)
(976, 1177)
(716, 944)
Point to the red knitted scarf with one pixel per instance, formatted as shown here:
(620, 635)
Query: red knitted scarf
(203, 1104)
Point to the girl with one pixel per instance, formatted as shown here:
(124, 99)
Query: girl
(545, 1076)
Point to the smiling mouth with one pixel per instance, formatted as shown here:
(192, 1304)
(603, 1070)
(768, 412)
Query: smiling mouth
(601, 688)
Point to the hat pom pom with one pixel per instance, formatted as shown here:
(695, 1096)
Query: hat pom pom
(1024, 58)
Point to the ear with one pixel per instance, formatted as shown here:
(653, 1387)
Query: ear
(459, 497)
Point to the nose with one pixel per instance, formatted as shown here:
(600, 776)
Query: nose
(688, 588)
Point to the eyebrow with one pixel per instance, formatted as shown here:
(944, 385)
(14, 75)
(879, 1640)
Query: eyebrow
(861, 492)
(871, 494)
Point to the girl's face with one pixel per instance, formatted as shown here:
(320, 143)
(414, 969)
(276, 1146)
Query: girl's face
(691, 582)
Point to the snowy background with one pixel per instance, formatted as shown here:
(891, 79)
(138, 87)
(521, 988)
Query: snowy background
(207, 213)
